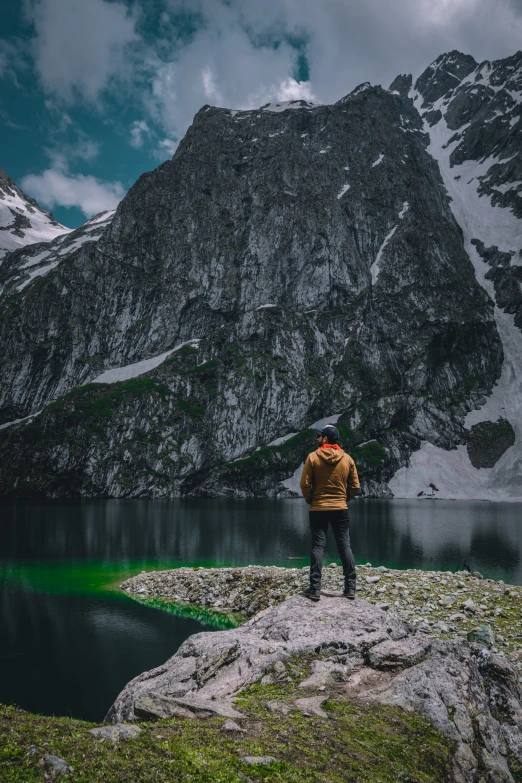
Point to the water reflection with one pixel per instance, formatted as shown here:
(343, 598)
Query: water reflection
(405, 533)
(68, 645)
(68, 655)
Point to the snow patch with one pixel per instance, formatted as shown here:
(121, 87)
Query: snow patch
(139, 368)
(452, 471)
(293, 483)
(26, 419)
(405, 208)
(379, 160)
(344, 189)
(40, 272)
(282, 439)
(333, 419)
(375, 267)
(284, 105)
(36, 259)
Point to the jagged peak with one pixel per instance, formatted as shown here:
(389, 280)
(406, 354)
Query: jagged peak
(361, 88)
(444, 74)
(401, 85)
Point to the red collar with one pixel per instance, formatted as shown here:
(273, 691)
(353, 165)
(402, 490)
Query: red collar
(330, 446)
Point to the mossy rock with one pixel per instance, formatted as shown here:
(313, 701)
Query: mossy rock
(488, 441)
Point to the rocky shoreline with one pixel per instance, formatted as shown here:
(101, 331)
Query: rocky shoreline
(424, 642)
(440, 603)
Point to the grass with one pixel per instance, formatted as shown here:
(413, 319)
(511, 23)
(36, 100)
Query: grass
(356, 744)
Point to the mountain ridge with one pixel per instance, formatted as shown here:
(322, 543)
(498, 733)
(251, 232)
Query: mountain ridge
(289, 244)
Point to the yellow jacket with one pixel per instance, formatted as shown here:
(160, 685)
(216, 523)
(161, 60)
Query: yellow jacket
(329, 479)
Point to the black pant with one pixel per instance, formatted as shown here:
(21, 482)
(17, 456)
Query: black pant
(340, 522)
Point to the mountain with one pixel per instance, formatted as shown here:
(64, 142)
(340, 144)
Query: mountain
(22, 221)
(472, 113)
(290, 264)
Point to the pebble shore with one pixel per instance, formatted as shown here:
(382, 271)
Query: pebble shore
(440, 603)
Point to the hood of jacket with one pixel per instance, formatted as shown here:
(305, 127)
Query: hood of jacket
(331, 456)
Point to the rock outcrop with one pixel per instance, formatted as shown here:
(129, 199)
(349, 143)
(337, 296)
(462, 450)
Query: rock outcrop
(357, 651)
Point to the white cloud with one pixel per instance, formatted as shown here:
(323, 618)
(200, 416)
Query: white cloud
(222, 66)
(240, 56)
(239, 53)
(54, 187)
(169, 146)
(139, 129)
(80, 44)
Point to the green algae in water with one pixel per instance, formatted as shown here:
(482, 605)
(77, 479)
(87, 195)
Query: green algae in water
(213, 617)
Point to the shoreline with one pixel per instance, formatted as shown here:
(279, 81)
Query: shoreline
(443, 604)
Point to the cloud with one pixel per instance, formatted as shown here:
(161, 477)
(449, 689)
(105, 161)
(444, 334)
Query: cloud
(13, 59)
(80, 45)
(166, 147)
(243, 53)
(222, 65)
(139, 129)
(54, 187)
(347, 43)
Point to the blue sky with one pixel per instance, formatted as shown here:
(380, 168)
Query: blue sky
(95, 92)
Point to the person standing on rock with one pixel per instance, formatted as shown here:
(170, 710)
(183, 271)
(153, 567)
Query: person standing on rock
(328, 482)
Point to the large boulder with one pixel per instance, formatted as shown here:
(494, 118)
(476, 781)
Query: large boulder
(471, 695)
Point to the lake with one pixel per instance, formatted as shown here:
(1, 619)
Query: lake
(70, 641)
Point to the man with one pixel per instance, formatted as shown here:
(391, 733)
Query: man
(328, 482)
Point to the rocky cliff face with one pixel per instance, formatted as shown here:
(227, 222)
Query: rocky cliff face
(473, 115)
(288, 264)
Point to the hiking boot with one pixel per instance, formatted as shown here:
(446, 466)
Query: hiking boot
(349, 593)
(312, 594)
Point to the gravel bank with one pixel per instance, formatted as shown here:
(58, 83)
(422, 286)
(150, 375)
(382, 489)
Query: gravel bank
(441, 603)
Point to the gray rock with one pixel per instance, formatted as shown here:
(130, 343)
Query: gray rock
(458, 686)
(201, 259)
(402, 653)
(116, 732)
(324, 673)
(230, 725)
(55, 768)
(457, 617)
(265, 760)
(311, 706)
(149, 704)
(482, 635)
(209, 706)
(276, 706)
(469, 606)
(371, 580)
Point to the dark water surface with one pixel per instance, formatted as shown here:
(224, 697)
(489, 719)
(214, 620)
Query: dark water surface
(69, 641)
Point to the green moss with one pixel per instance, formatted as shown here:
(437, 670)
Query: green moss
(87, 401)
(355, 744)
(372, 453)
(194, 411)
(267, 455)
(212, 364)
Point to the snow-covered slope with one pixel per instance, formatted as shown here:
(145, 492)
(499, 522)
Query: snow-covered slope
(22, 266)
(473, 115)
(22, 221)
